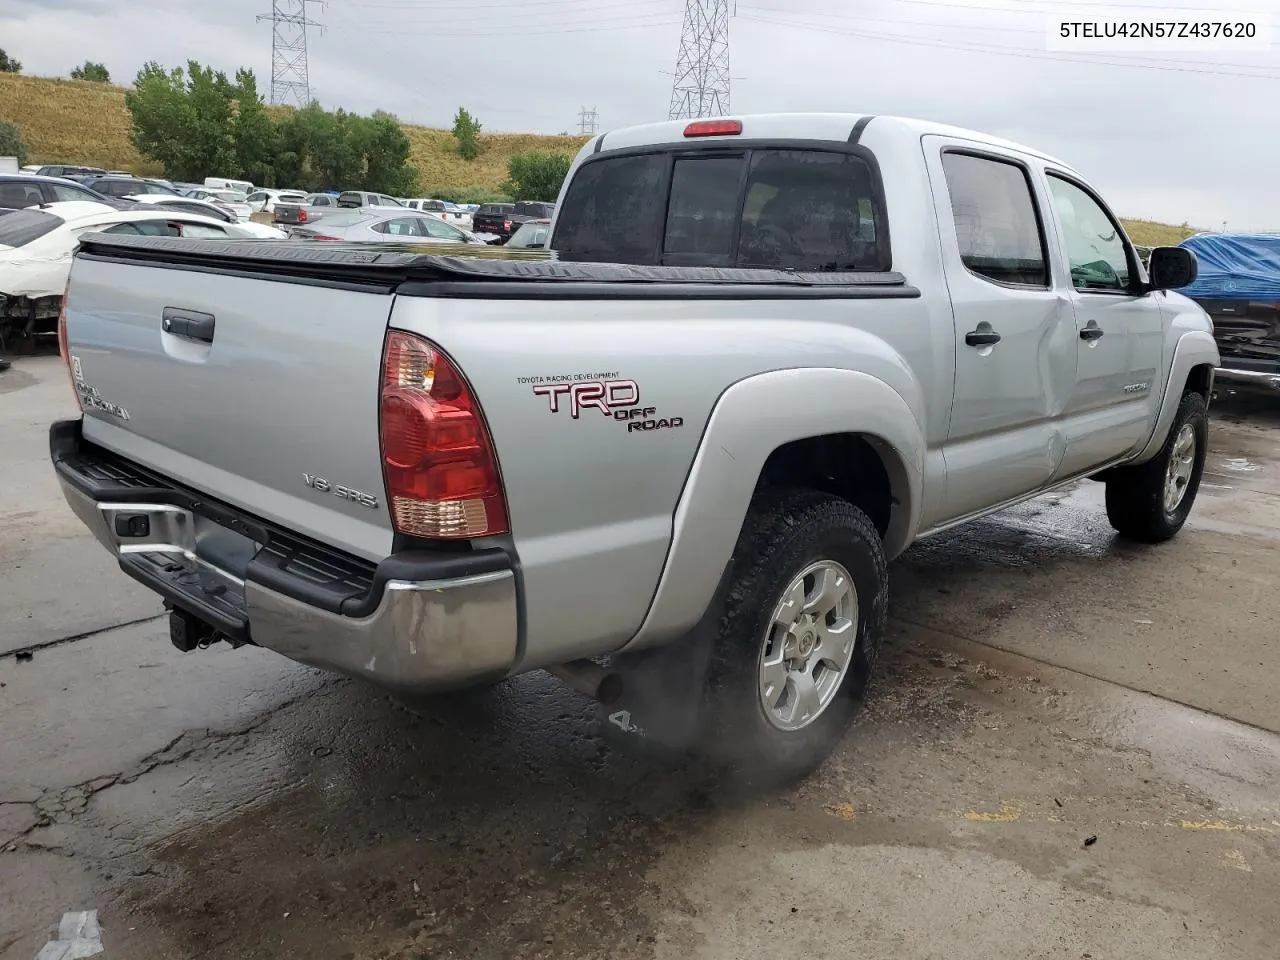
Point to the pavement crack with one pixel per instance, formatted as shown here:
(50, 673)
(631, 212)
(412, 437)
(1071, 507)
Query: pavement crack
(24, 653)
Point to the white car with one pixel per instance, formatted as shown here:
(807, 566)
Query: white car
(448, 212)
(227, 199)
(264, 200)
(37, 243)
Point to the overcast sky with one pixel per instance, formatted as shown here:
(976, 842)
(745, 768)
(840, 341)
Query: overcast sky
(1172, 136)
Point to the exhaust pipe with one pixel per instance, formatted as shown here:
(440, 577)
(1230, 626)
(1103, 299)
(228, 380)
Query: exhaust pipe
(590, 679)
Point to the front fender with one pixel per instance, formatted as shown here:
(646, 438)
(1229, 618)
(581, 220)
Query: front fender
(753, 418)
(1194, 348)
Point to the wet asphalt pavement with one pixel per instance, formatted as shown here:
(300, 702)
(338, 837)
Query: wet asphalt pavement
(1042, 684)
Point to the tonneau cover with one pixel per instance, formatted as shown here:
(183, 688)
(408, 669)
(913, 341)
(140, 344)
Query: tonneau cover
(374, 263)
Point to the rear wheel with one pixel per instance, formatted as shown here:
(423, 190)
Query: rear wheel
(1151, 501)
(799, 636)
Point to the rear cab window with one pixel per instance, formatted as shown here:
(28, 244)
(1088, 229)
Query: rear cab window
(805, 208)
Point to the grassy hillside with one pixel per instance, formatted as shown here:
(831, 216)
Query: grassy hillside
(80, 122)
(76, 121)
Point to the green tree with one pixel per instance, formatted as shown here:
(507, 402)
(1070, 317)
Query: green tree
(466, 130)
(197, 122)
(11, 144)
(536, 175)
(9, 65)
(386, 156)
(97, 72)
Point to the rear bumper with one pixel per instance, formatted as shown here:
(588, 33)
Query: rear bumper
(1258, 379)
(418, 621)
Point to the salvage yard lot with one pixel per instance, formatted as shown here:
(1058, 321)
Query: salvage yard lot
(1043, 683)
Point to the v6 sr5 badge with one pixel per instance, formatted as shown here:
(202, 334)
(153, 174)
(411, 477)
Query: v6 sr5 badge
(618, 400)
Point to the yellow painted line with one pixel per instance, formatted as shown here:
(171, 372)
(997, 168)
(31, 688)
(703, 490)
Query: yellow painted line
(1008, 813)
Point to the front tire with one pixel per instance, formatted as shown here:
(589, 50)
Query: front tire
(1150, 502)
(799, 636)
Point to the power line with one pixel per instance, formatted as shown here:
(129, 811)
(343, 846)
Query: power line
(588, 121)
(290, 74)
(701, 85)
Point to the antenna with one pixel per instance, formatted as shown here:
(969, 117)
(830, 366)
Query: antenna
(588, 121)
(290, 81)
(701, 85)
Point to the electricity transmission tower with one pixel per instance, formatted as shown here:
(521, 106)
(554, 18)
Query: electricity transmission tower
(290, 83)
(701, 86)
(588, 120)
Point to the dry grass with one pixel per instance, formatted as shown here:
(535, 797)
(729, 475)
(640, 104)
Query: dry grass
(1149, 233)
(76, 121)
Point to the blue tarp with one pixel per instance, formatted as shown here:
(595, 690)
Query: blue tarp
(1235, 266)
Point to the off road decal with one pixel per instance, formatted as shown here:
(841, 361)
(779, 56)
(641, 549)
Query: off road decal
(609, 395)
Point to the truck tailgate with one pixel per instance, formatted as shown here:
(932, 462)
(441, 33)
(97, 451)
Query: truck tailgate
(245, 388)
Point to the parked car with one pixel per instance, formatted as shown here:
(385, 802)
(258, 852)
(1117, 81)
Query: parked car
(448, 212)
(68, 170)
(532, 233)
(264, 201)
(212, 209)
(227, 199)
(352, 199)
(1238, 285)
(502, 219)
(690, 444)
(123, 187)
(312, 207)
(22, 190)
(36, 245)
(375, 226)
(242, 187)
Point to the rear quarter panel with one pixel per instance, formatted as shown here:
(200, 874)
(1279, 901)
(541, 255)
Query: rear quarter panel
(592, 501)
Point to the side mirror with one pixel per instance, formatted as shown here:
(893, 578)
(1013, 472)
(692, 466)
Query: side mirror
(1171, 268)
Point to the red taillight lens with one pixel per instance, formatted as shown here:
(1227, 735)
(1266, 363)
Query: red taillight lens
(64, 348)
(437, 457)
(302, 216)
(320, 236)
(713, 128)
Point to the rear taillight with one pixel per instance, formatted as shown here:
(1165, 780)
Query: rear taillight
(437, 457)
(302, 216)
(506, 224)
(64, 348)
(713, 128)
(321, 236)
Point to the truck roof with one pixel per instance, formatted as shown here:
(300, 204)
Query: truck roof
(805, 126)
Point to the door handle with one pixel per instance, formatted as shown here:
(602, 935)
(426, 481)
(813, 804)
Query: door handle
(188, 324)
(981, 338)
(1092, 332)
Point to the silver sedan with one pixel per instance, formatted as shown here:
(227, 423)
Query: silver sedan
(382, 226)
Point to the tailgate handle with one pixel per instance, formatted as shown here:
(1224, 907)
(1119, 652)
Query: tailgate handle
(190, 324)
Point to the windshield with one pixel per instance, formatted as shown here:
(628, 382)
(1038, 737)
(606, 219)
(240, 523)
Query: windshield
(19, 228)
(229, 196)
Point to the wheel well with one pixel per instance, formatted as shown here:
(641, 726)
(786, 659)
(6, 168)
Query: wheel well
(845, 465)
(1199, 378)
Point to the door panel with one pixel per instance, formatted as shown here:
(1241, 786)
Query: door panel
(1120, 333)
(1004, 439)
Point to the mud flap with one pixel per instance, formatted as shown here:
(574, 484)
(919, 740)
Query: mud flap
(661, 708)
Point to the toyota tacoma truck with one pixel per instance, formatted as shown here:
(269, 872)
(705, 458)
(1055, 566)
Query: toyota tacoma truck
(669, 464)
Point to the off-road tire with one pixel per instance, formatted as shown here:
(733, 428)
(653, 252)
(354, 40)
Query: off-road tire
(785, 531)
(1135, 495)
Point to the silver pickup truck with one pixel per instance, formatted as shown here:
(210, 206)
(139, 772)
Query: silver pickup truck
(671, 464)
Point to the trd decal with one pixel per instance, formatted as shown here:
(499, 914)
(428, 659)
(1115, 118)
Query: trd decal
(614, 398)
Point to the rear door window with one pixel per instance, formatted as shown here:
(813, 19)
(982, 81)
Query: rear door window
(996, 221)
(19, 228)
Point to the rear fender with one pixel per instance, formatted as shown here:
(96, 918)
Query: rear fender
(753, 418)
(1195, 348)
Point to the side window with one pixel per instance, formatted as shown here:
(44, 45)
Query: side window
(703, 210)
(203, 231)
(440, 230)
(811, 210)
(401, 227)
(1095, 245)
(61, 192)
(129, 228)
(614, 210)
(19, 195)
(997, 226)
